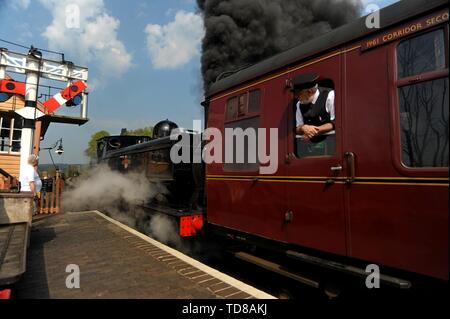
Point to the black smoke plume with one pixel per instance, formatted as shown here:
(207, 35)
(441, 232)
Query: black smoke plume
(243, 32)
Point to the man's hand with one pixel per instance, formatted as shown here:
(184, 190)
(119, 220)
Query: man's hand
(310, 131)
(328, 127)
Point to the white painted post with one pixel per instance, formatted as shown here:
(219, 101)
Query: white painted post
(84, 105)
(31, 88)
(2, 67)
(2, 72)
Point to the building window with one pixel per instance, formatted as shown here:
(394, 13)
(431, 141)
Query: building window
(10, 134)
(424, 106)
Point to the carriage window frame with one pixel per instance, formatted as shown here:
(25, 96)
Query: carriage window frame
(252, 113)
(414, 37)
(409, 81)
(248, 114)
(331, 141)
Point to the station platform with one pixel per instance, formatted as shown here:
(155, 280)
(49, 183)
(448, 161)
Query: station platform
(115, 261)
(13, 247)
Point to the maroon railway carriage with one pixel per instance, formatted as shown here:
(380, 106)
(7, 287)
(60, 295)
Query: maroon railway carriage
(382, 196)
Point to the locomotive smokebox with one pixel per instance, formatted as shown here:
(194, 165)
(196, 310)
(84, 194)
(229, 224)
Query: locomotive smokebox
(163, 129)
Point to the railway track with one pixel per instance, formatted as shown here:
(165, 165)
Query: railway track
(285, 279)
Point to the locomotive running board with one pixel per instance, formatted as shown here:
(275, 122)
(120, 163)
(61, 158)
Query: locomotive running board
(167, 210)
(389, 280)
(271, 266)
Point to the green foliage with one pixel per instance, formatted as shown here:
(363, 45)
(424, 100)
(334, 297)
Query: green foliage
(146, 131)
(73, 171)
(91, 151)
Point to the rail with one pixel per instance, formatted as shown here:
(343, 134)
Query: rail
(8, 183)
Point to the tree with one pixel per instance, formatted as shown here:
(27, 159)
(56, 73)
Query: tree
(146, 131)
(73, 171)
(91, 151)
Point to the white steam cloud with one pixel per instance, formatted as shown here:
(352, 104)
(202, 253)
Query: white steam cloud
(121, 196)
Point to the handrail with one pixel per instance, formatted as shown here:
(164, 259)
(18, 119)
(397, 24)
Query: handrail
(5, 173)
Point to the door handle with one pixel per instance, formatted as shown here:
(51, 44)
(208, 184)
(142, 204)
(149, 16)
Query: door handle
(336, 169)
(350, 157)
(289, 217)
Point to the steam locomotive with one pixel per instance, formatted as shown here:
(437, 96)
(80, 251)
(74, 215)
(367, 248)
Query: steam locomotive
(181, 185)
(380, 197)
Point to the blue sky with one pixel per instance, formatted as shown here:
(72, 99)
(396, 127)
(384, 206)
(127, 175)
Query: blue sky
(143, 58)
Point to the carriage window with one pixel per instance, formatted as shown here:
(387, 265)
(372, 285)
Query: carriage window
(243, 116)
(244, 105)
(424, 106)
(424, 124)
(421, 54)
(231, 112)
(323, 144)
(254, 101)
(245, 149)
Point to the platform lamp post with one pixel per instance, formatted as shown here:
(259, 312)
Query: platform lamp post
(59, 151)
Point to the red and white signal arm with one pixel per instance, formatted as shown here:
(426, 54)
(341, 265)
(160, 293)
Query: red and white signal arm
(13, 87)
(64, 96)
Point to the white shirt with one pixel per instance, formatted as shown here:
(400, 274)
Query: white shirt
(329, 107)
(30, 175)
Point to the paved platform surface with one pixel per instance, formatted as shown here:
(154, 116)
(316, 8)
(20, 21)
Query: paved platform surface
(115, 262)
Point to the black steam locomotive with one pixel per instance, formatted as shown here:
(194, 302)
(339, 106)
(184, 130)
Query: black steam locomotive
(181, 185)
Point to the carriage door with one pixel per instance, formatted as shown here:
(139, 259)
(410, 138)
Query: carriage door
(398, 199)
(315, 217)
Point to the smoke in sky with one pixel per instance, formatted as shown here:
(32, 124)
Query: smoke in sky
(243, 32)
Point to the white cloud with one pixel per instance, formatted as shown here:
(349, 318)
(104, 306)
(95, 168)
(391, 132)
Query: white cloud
(20, 4)
(173, 45)
(84, 30)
